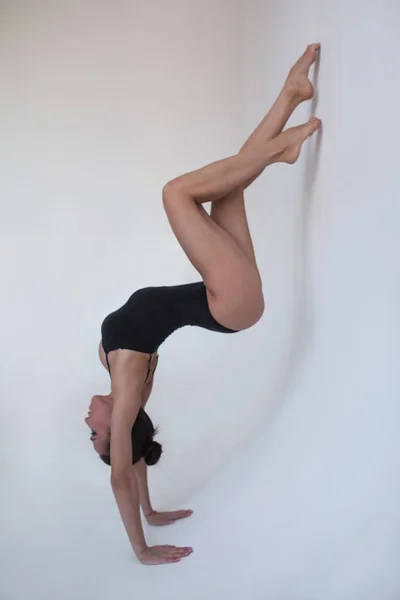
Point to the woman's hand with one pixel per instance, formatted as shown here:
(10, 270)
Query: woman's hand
(160, 555)
(167, 518)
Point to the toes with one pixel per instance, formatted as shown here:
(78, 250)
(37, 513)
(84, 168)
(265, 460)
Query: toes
(310, 55)
(313, 48)
(314, 124)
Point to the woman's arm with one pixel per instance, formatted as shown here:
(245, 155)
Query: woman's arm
(152, 516)
(127, 378)
(140, 468)
(126, 389)
(140, 472)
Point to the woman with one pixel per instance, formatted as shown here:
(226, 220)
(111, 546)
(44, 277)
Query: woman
(228, 299)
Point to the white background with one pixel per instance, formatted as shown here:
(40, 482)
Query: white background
(284, 438)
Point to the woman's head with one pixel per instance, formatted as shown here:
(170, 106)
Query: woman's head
(143, 445)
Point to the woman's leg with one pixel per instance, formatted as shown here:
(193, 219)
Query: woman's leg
(229, 212)
(232, 281)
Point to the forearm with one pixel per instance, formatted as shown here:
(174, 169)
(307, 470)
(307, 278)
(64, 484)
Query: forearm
(140, 471)
(127, 497)
(140, 468)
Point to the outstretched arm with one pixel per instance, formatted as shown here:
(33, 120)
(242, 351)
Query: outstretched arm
(127, 378)
(126, 389)
(140, 470)
(152, 516)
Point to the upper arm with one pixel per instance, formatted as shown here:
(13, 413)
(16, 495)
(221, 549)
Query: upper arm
(126, 386)
(148, 386)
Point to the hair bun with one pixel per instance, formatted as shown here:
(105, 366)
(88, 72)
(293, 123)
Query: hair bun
(152, 453)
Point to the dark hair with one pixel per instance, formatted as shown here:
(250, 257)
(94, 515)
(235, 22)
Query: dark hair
(143, 445)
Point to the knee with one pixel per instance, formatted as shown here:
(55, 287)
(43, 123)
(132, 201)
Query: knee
(173, 189)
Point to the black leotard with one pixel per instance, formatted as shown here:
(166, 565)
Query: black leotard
(152, 314)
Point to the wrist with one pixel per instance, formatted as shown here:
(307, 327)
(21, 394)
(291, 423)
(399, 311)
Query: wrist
(140, 550)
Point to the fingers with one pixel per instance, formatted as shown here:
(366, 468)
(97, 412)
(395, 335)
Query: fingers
(180, 552)
(171, 554)
(158, 555)
(168, 518)
(181, 514)
(160, 521)
(172, 560)
(176, 514)
(175, 551)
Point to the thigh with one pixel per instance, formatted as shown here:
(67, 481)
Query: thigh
(232, 280)
(210, 249)
(229, 213)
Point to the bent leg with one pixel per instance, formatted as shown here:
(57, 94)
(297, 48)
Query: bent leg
(232, 280)
(229, 212)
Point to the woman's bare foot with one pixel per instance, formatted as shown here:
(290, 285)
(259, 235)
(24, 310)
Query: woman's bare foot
(291, 140)
(297, 82)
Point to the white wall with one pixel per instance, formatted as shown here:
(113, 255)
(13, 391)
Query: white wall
(327, 476)
(101, 105)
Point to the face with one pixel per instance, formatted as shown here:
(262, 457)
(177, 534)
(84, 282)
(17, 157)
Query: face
(99, 421)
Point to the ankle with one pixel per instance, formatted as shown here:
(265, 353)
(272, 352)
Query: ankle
(275, 148)
(291, 94)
